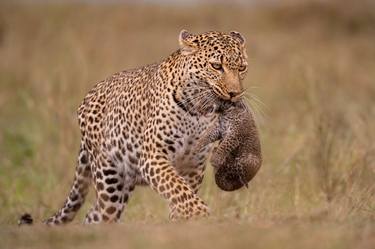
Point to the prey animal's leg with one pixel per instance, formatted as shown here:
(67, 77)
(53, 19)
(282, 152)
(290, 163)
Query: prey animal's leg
(212, 134)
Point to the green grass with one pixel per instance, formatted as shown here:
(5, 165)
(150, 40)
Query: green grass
(311, 65)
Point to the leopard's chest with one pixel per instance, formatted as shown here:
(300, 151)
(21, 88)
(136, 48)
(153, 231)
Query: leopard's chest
(185, 140)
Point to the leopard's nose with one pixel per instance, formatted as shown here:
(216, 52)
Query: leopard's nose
(235, 96)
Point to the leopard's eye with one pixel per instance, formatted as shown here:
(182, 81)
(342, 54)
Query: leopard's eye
(217, 66)
(242, 68)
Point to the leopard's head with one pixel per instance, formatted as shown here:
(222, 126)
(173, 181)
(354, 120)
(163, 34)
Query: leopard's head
(217, 60)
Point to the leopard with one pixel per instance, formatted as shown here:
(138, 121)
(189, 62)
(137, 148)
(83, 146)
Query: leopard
(138, 127)
(238, 156)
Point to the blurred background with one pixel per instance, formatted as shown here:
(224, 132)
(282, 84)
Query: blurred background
(311, 82)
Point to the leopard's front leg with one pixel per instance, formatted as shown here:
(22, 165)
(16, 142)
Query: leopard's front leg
(159, 172)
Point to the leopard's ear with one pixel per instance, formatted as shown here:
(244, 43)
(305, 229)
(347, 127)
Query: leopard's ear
(236, 35)
(188, 42)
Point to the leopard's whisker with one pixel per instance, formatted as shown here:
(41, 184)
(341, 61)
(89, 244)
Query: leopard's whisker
(255, 107)
(256, 98)
(197, 99)
(191, 99)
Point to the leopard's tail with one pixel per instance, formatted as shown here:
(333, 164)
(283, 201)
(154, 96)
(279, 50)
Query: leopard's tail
(78, 192)
(76, 197)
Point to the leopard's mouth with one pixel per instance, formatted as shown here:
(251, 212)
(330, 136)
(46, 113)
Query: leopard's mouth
(220, 100)
(225, 96)
(220, 104)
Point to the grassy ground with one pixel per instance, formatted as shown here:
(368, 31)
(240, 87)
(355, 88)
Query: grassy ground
(311, 65)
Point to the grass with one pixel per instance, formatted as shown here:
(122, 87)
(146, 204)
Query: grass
(311, 65)
(291, 234)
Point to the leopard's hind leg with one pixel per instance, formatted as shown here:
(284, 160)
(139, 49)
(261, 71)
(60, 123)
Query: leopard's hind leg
(114, 183)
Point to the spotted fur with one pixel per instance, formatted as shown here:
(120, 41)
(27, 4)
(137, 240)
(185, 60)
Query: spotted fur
(139, 127)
